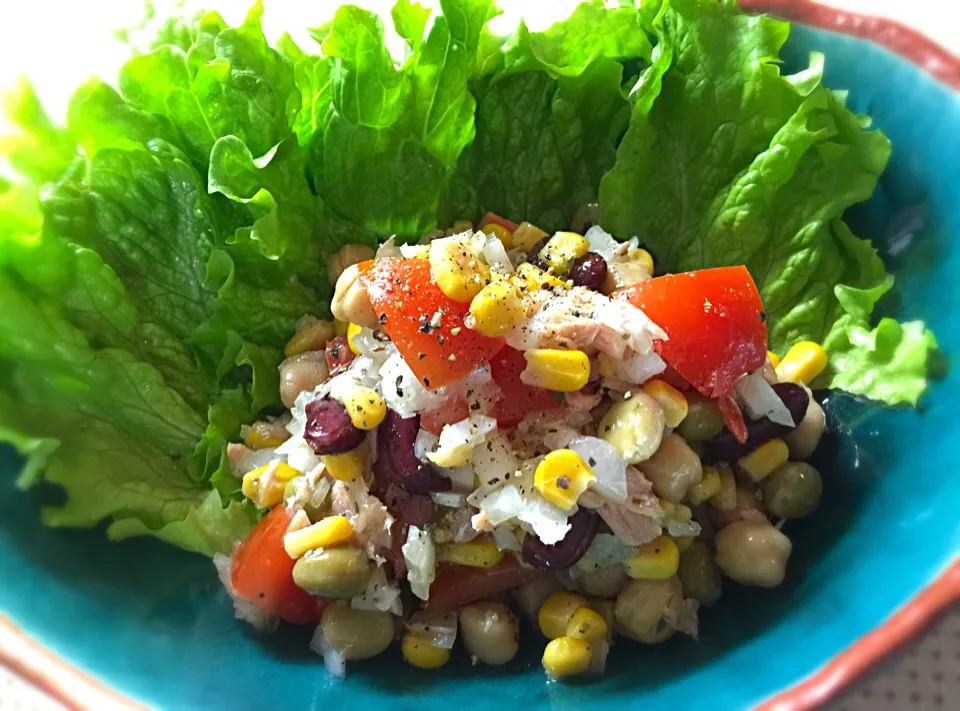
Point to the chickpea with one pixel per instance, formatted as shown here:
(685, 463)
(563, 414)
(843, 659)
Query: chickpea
(351, 302)
(641, 606)
(531, 596)
(357, 634)
(603, 582)
(634, 426)
(699, 574)
(348, 255)
(703, 421)
(793, 491)
(301, 373)
(626, 270)
(806, 435)
(673, 469)
(489, 632)
(753, 553)
(333, 572)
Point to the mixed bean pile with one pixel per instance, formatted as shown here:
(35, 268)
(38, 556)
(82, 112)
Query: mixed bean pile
(708, 491)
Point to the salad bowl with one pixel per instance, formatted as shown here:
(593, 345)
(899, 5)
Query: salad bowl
(138, 624)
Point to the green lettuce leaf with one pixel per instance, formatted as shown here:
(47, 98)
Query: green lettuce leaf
(733, 163)
(386, 121)
(549, 118)
(40, 151)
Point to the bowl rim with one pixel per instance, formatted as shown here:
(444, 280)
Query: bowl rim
(81, 691)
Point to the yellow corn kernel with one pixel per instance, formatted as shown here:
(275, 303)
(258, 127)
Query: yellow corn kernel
(558, 370)
(264, 435)
(764, 460)
(673, 402)
(643, 257)
(532, 278)
(458, 272)
(726, 498)
(500, 232)
(709, 486)
(475, 554)
(802, 363)
(345, 467)
(340, 327)
(588, 625)
(684, 543)
(325, 533)
(365, 406)
(774, 359)
(557, 611)
(264, 485)
(526, 236)
(312, 337)
(353, 330)
(566, 656)
(561, 477)
(462, 226)
(496, 309)
(562, 250)
(422, 655)
(656, 560)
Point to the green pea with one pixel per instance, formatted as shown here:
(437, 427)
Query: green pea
(333, 572)
(357, 634)
(703, 421)
(793, 490)
(699, 574)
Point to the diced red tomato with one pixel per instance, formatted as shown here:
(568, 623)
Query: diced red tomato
(491, 217)
(458, 585)
(407, 300)
(733, 418)
(262, 573)
(517, 399)
(714, 321)
(338, 353)
(453, 410)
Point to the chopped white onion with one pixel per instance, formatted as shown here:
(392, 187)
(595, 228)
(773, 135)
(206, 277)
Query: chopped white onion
(425, 442)
(388, 249)
(548, 522)
(506, 539)
(637, 368)
(332, 659)
(605, 550)
(380, 595)
(495, 255)
(601, 241)
(438, 629)
(461, 478)
(402, 390)
(500, 505)
(458, 441)
(450, 499)
(494, 462)
(249, 613)
(420, 555)
(607, 465)
(679, 529)
(759, 399)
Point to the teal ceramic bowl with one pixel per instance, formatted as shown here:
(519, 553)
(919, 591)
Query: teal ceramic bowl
(153, 624)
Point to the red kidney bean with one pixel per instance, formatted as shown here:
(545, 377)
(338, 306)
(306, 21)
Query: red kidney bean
(583, 527)
(589, 271)
(725, 448)
(329, 429)
(397, 461)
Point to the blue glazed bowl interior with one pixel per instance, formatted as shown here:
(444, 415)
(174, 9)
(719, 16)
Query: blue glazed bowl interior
(153, 623)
